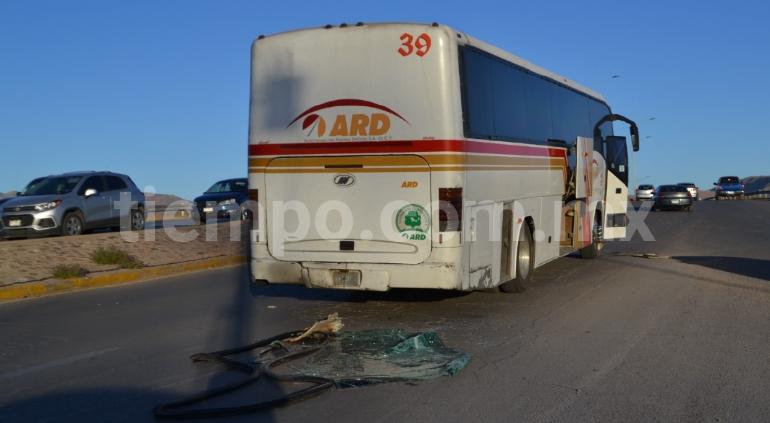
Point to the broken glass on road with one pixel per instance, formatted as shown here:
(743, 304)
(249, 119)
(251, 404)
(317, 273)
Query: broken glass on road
(356, 358)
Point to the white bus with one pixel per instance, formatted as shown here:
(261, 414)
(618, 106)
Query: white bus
(415, 156)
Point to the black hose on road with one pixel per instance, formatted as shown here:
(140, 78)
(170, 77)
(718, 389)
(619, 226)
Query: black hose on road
(178, 409)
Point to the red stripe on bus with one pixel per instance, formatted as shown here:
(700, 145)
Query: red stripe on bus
(355, 147)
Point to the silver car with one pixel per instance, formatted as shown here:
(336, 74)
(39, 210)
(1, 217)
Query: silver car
(692, 189)
(71, 203)
(645, 192)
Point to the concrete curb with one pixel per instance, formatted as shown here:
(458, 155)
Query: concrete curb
(50, 286)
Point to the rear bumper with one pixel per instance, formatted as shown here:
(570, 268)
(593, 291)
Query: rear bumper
(673, 202)
(221, 211)
(736, 193)
(440, 271)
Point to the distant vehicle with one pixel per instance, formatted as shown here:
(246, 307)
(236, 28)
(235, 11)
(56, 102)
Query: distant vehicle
(728, 187)
(672, 197)
(645, 192)
(29, 186)
(224, 200)
(692, 189)
(71, 203)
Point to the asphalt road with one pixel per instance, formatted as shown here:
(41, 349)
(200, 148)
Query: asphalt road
(620, 338)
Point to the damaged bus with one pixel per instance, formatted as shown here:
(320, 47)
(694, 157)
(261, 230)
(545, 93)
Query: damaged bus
(416, 156)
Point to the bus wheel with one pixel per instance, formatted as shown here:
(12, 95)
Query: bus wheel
(525, 263)
(593, 250)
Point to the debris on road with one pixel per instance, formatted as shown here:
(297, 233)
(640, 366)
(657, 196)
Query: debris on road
(640, 255)
(322, 357)
(331, 325)
(359, 358)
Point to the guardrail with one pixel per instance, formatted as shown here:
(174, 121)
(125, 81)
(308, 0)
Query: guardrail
(758, 195)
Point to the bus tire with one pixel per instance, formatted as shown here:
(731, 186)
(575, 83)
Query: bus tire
(592, 251)
(525, 263)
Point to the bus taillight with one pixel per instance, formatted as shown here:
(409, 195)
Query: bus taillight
(450, 214)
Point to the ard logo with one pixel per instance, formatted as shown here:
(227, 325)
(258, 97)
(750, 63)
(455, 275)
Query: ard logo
(355, 125)
(317, 124)
(413, 222)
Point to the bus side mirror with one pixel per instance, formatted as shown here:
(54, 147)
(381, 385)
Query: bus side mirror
(635, 138)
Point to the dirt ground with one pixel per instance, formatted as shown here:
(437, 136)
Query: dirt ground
(35, 259)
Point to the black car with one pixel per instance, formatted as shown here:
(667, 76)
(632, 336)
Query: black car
(672, 197)
(224, 200)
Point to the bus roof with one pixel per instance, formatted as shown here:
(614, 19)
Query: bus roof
(465, 39)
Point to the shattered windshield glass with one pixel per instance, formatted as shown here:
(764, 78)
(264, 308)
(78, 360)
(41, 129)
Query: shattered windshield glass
(355, 358)
(323, 357)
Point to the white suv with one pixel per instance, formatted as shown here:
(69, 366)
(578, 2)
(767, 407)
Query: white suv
(691, 188)
(71, 203)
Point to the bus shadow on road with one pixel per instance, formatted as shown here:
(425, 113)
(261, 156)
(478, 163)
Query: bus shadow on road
(321, 294)
(108, 404)
(751, 267)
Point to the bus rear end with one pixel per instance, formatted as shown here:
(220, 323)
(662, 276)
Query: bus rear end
(346, 126)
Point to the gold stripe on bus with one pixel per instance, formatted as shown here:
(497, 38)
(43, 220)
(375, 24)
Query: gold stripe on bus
(261, 162)
(473, 159)
(390, 169)
(406, 160)
(384, 160)
(370, 169)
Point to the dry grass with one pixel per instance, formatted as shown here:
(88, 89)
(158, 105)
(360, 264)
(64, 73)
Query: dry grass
(67, 271)
(114, 255)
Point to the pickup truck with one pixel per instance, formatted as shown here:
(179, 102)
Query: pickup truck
(728, 187)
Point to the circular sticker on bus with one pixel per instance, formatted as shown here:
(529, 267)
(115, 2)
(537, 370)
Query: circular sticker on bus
(412, 218)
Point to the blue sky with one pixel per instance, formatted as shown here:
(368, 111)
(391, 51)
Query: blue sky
(159, 89)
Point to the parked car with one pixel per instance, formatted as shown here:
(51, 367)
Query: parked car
(672, 197)
(224, 200)
(692, 189)
(645, 192)
(728, 187)
(71, 203)
(29, 186)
